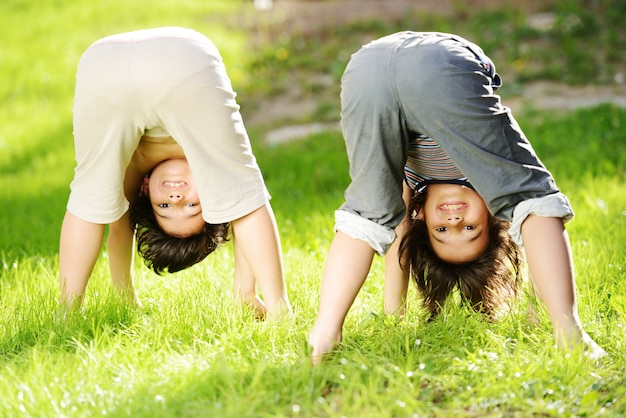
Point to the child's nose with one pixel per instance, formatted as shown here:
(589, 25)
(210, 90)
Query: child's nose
(175, 197)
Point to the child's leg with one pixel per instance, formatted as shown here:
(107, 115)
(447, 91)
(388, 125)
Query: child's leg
(197, 106)
(347, 266)
(104, 139)
(376, 143)
(80, 246)
(552, 270)
(452, 100)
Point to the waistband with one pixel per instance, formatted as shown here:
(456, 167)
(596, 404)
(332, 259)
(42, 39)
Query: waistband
(407, 39)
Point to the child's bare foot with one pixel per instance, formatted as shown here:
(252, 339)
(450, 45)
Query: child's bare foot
(592, 349)
(578, 336)
(280, 311)
(322, 343)
(135, 302)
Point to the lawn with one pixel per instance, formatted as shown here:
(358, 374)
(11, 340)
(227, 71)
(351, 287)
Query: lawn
(191, 351)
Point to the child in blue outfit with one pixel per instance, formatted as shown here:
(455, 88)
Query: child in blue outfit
(440, 86)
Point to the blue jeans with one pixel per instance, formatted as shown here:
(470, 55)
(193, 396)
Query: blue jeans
(442, 86)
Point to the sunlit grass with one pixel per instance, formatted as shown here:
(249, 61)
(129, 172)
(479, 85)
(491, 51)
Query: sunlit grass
(192, 352)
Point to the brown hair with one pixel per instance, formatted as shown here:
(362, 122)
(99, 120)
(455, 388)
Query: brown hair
(163, 252)
(486, 283)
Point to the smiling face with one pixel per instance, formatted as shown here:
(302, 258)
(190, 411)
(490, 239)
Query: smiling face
(457, 221)
(174, 198)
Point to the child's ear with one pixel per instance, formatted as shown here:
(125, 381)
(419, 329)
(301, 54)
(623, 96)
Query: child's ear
(145, 190)
(417, 214)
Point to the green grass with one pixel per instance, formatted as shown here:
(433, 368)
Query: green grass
(191, 351)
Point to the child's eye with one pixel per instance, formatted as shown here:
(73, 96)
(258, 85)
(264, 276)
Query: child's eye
(441, 229)
(190, 205)
(470, 227)
(164, 205)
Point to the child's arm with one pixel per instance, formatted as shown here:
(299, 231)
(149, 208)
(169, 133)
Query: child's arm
(256, 238)
(551, 267)
(80, 246)
(244, 286)
(396, 279)
(120, 244)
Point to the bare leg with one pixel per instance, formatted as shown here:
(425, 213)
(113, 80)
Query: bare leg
(80, 246)
(349, 260)
(552, 270)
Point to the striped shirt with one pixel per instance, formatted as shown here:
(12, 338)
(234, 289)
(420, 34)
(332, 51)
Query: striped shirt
(427, 161)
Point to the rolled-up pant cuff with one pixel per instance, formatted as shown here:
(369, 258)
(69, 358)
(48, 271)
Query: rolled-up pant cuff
(377, 236)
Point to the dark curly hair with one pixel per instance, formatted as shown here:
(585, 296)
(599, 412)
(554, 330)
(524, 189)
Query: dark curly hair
(486, 283)
(163, 252)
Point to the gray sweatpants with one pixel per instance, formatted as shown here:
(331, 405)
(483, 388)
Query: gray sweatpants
(442, 86)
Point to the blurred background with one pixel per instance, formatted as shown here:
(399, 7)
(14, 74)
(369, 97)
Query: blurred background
(554, 55)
